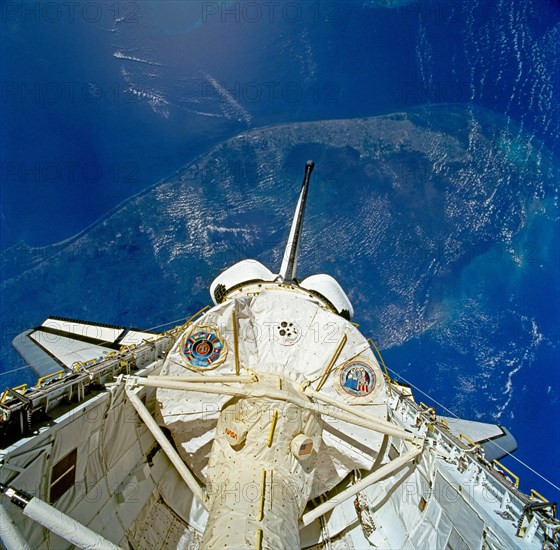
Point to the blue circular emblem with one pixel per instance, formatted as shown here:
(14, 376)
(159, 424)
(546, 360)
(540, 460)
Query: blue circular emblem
(357, 379)
(203, 348)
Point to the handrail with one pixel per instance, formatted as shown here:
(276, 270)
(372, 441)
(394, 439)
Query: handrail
(57, 374)
(235, 342)
(126, 347)
(469, 440)
(515, 478)
(332, 361)
(175, 331)
(443, 422)
(538, 495)
(22, 387)
(192, 317)
(552, 505)
(77, 365)
(389, 381)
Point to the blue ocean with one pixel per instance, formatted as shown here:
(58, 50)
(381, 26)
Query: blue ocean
(103, 100)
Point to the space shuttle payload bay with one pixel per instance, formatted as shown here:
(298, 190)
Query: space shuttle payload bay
(265, 421)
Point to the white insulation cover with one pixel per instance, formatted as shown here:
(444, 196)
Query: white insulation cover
(286, 332)
(66, 527)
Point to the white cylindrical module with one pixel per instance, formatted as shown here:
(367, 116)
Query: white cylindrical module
(259, 488)
(10, 535)
(66, 527)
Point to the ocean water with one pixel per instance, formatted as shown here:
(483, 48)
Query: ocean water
(102, 101)
(500, 340)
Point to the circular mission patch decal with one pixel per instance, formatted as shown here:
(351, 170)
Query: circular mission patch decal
(357, 379)
(204, 349)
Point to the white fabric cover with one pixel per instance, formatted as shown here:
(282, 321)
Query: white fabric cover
(237, 487)
(66, 527)
(10, 535)
(245, 270)
(328, 287)
(302, 355)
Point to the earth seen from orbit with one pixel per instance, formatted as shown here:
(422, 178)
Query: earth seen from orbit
(434, 199)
